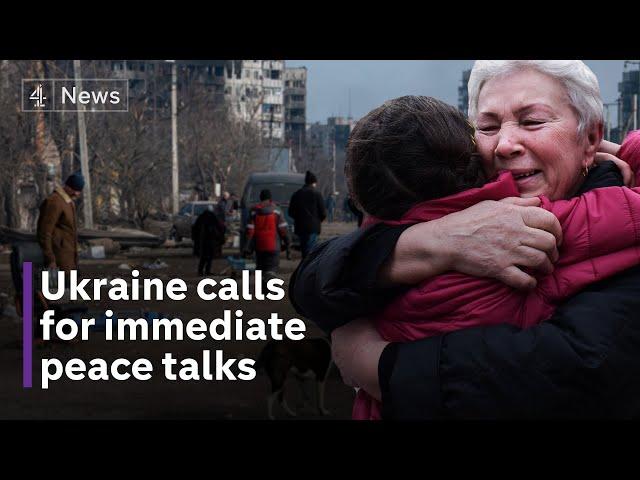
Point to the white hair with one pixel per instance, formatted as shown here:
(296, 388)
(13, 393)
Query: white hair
(579, 81)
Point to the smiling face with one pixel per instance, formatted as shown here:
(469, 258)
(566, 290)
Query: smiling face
(525, 124)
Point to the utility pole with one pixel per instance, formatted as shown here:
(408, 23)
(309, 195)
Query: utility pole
(620, 126)
(607, 107)
(175, 197)
(333, 154)
(84, 158)
(271, 138)
(632, 121)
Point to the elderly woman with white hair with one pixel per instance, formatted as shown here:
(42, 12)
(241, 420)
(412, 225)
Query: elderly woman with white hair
(541, 120)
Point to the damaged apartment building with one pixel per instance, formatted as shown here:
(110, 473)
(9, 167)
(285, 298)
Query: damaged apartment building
(253, 89)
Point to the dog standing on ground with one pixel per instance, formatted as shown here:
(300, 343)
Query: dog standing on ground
(306, 358)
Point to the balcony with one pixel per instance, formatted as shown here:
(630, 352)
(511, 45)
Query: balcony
(275, 133)
(272, 83)
(295, 105)
(295, 91)
(295, 119)
(277, 117)
(273, 64)
(272, 99)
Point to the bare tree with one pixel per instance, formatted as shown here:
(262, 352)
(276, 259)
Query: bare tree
(18, 161)
(129, 153)
(215, 146)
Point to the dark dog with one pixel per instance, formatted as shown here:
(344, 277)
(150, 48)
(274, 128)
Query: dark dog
(306, 359)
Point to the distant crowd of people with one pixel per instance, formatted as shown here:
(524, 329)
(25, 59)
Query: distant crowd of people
(267, 229)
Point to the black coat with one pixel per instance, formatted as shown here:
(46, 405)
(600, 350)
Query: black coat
(307, 210)
(207, 234)
(583, 362)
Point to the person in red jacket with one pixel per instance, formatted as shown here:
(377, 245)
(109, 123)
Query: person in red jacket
(434, 153)
(267, 233)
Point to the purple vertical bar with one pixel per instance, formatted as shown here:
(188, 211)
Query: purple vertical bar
(27, 324)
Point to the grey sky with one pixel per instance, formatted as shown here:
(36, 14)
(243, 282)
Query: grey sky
(371, 82)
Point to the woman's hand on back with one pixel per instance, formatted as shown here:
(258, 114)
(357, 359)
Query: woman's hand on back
(490, 239)
(627, 174)
(356, 349)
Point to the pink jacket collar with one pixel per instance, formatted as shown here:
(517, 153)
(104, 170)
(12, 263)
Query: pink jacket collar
(503, 186)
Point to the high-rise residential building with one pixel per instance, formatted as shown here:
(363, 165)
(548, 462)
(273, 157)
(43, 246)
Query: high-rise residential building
(253, 89)
(327, 142)
(628, 115)
(463, 94)
(272, 120)
(295, 106)
(322, 136)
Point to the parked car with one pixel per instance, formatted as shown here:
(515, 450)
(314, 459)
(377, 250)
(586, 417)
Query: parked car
(187, 216)
(281, 185)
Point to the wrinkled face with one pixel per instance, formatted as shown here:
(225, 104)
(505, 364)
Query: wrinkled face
(525, 124)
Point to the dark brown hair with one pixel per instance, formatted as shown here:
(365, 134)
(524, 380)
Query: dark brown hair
(408, 150)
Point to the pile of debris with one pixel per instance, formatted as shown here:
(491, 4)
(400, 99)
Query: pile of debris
(100, 248)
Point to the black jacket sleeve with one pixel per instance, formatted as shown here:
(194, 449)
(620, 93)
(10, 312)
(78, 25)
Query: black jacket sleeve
(335, 283)
(582, 363)
(322, 211)
(293, 206)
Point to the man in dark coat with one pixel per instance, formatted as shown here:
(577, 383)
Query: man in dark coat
(308, 212)
(57, 229)
(208, 238)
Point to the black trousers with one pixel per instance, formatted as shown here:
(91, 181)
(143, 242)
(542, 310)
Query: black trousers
(267, 261)
(204, 267)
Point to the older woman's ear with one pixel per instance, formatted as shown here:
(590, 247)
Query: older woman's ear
(593, 139)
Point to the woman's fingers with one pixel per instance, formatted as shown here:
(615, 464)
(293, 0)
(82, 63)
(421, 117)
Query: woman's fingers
(608, 147)
(516, 278)
(542, 220)
(543, 241)
(627, 174)
(534, 258)
(522, 202)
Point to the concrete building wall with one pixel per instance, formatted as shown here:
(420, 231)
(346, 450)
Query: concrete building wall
(463, 94)
(628, 87)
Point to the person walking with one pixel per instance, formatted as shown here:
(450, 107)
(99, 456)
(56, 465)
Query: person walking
(267, 233)
(57, 228)
(208, 238)
(308, 212)
(347, 210)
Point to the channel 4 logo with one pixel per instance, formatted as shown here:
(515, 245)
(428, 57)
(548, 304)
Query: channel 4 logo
(66, 95)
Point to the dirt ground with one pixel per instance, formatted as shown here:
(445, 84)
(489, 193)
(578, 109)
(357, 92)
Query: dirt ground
(158, 398)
